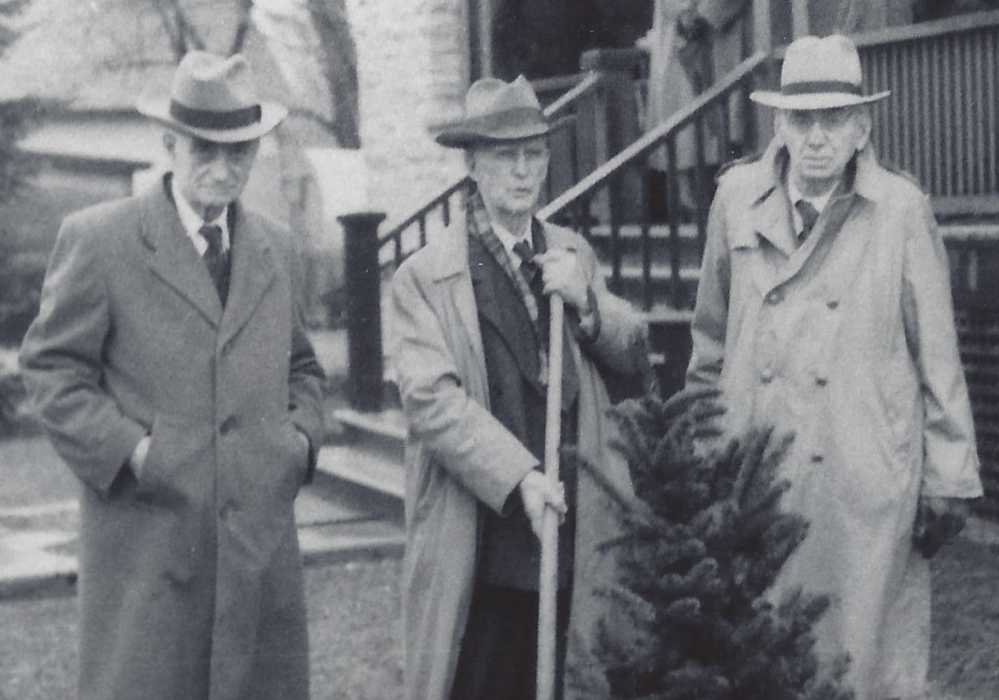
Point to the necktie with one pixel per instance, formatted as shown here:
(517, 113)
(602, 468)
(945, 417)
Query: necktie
(532, 273)
(809, 215)
(216, 259)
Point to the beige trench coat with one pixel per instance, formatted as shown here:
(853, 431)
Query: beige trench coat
(458, 456)
(190, 574)
(847, 342)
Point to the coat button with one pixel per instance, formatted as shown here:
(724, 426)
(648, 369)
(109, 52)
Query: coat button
(226, 511)
(817, 458)
(766, 376)
(832, 303)
(775, 297)
(821, 381)
(227, 425)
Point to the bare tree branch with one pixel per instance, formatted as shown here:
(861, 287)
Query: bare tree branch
(339, 64)
(242, 28)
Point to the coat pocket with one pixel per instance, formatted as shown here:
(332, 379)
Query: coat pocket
(178, 468)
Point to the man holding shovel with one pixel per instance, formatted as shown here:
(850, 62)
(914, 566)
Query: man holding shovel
(471, 325)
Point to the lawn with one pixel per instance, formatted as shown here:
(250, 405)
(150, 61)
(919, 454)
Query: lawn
(355, 632)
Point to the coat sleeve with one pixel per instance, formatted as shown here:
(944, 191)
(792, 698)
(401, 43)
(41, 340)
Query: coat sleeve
(710, 321)
(61, 362)
(622, 341)
(458, 431)
(305, 374)
(950, 465)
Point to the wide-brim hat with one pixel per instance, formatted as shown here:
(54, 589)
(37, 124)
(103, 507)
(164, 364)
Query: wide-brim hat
(496, 111)
(215, 99)
(819, 73)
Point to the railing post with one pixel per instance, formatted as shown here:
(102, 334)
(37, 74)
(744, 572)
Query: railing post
(621, 104)
(364, 318)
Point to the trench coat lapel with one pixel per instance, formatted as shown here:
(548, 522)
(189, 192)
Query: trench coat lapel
(173, 259)
(499, 304)
(252, 273)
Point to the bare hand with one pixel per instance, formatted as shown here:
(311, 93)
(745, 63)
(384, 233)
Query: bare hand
(562, 275)
(138, 456)
(538, 493)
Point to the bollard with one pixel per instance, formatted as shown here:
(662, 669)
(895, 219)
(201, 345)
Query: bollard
(362, 274)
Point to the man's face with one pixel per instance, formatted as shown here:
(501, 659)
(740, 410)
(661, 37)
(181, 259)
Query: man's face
(820, 143)
(210, 175)
(509, 174)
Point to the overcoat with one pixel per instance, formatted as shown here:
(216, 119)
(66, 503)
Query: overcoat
(459, 456)
(848, 343)
(190, 574)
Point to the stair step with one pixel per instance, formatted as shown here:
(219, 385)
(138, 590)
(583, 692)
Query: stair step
(389, 423)
(657, 231)
(369, 469)
(970, 232)
(350, 541)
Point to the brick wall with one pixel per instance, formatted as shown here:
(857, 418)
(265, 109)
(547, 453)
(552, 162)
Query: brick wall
(412, 66)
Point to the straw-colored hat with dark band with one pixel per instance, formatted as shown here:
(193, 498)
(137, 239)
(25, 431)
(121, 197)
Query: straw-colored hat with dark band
(215, 99)
(819, 74)
(497, 111)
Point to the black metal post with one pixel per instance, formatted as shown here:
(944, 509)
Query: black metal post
(364, 317)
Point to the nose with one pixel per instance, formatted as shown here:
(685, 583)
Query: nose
(520, 164)
(815, 133)
(218, 166)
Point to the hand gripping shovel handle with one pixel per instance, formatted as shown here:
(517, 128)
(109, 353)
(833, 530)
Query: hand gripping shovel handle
(548, 588)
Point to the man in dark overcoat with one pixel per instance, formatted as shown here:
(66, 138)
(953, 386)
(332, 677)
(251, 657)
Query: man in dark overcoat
(470, 326)
(170, 368)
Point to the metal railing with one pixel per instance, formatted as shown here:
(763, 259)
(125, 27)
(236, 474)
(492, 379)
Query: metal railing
(940, 122)
(708, 125)
(576, 151)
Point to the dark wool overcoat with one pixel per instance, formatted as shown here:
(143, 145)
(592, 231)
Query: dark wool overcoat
(190, 574)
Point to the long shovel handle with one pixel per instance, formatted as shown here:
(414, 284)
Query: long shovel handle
(548, 585)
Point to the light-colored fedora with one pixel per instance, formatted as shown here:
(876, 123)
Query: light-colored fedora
(819, 74)
(496, 110)
(215, 99)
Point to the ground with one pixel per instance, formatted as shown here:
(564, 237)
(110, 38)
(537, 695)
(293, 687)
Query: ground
(354, 614)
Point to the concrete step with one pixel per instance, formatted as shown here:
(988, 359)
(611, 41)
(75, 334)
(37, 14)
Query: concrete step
(38, 544)
(630, 241)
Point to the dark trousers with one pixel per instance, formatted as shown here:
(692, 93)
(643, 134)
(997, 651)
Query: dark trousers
(498, 659)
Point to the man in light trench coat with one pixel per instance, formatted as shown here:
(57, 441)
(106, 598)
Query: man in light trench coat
(469, 320)
(170, 367)
(824, 309)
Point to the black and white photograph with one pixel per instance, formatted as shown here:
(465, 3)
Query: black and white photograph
(499, 349)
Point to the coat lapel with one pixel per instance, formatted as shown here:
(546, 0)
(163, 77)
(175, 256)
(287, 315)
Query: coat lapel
(174, 260)
(252, 273)
(499, 305)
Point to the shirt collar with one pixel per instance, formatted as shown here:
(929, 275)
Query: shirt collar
(509, 240)
(864, 176)
(192, 221)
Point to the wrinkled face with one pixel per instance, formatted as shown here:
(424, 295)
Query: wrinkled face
(509, 174)
(210, 175)
(821, 142)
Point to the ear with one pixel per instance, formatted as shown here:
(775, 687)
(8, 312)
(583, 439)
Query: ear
(169, 141)
(470, 162)
(779, 127)
(863, 129)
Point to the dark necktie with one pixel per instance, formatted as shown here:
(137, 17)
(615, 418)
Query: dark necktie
(216, 259)
(532, 273)
(809, 215)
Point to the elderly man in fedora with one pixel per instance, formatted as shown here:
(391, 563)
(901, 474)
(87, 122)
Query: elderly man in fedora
(469, 316)
(824, 310)
(170, 368)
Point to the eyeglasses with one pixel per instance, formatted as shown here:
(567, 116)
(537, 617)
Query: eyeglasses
(827, 119)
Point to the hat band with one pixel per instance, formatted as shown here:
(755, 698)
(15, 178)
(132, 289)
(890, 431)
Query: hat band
(209, 119)
(509, 118)
(820, 86)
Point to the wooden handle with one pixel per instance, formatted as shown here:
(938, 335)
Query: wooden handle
(548, 585)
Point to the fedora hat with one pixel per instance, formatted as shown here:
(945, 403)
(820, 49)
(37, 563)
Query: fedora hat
(818, 74)
(215, 99)
(496, 110)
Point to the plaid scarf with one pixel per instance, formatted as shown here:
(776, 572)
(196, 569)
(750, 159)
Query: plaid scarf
(477, 221)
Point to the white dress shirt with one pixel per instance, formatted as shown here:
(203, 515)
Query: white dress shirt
(192, 222)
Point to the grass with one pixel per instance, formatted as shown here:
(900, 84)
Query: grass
(355, 633)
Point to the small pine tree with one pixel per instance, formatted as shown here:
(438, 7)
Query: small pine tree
(699, 548)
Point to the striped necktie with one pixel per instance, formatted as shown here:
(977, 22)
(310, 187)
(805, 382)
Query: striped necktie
(216, 259)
